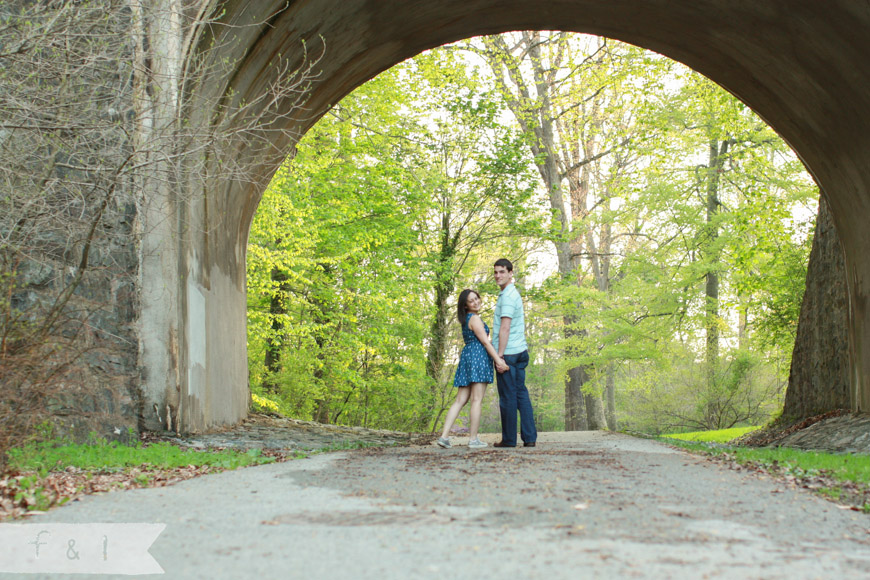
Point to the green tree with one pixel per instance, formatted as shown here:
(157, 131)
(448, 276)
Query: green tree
(476, 172)
(334, 246)
(395, 190)
(665, 205)
(579, 100)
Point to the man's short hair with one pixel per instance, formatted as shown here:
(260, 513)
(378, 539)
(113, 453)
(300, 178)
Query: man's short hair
(504, 263)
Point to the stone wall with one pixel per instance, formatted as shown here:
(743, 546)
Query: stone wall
(98, 389)
(69, 219)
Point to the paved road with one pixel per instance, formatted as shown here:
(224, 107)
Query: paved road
(580, 505)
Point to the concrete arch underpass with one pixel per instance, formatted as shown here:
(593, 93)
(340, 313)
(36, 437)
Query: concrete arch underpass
(800, 64)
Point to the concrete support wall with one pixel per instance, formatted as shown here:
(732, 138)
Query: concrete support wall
(192, 277)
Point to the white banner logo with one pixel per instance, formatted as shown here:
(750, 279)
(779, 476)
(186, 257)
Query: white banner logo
(79, 548)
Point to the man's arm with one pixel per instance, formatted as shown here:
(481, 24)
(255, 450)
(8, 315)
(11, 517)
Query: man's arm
(504, 331)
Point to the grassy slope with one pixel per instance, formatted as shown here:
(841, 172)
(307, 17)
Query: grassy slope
(42, 457)
(841, 477)
(720, 436)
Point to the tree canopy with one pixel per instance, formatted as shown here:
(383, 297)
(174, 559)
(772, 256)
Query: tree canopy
(659, 230)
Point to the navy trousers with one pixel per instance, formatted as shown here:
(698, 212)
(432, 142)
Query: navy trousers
(512, 396)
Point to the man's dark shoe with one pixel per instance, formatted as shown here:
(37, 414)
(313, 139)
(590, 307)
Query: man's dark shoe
(502, 444)
(532, 444)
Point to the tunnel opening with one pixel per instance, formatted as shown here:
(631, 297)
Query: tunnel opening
(662, 279)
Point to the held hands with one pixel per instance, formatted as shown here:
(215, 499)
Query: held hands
(500, 365)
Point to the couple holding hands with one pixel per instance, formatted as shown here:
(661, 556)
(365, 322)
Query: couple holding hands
(507, 351)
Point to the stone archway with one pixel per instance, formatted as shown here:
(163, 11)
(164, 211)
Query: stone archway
(800, 64)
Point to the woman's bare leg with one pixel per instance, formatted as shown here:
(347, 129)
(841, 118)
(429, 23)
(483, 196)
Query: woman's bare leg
(462, 394)
(478, 390)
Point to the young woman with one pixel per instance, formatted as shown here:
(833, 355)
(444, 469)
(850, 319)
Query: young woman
(474, 371)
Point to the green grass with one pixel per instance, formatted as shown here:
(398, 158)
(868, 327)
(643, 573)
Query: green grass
(100, 455)
(112, 456)
(843, 467)
(35, 462)
(794, 462)
(720, 436)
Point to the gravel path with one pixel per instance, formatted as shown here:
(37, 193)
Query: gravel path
(580, 505)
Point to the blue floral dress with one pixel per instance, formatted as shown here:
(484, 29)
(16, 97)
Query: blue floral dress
(474, 366)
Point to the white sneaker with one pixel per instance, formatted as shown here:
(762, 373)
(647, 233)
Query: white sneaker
(445, 443)
(477, 444)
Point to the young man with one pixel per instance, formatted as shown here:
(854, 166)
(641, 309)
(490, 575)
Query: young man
(509, 339)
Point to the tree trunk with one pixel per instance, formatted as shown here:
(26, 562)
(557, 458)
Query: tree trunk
(600, 259)
(435, 354)
(819, 377)
(275, 341)
(534, 113)
(595, 412)
(575, 406)
(711, 290)
(321, 413)
(610, 395)
(321, 319)
(438, 331)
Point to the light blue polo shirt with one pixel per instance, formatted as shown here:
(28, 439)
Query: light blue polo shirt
(510, 304)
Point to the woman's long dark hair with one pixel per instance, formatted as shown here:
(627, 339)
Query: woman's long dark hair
(462, 304)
